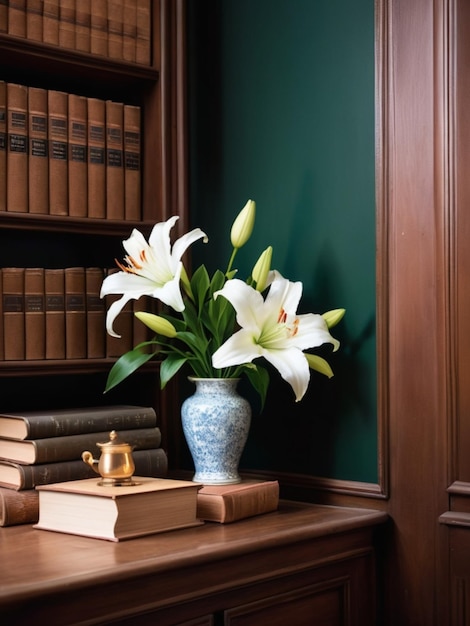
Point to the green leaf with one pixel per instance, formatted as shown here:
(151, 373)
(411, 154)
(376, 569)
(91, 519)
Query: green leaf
(200, 286)
(170, 366)
(259, 378)
(126, 365)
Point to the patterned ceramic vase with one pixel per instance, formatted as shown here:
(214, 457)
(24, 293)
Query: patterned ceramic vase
(216, 421)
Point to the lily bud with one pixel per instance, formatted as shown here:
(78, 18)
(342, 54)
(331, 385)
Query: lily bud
(243, 225)
(319, 364)
(261, 269)
(158, 324)
(333, 317)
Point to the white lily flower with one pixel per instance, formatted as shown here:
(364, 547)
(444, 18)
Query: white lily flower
(271, 328)
(153, 269)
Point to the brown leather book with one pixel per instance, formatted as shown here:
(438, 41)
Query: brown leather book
(99, 28)
(96, 158)
(54, 287)
(17, 152)
(3, 16)
(115, 28)
(38, 162)
(18, 507)
(129, 30)
(82, 25)
(17, 18)
(228, 503)
(34, 19)
(114, 161)
(75, 313)
(123, 325)
(13, 313)
(34, 313)
(77, 164)
(50, 22)
(142, 50)
(3, 145)
(58, 161)
(132, 157)
(96, 314)
(67, 23)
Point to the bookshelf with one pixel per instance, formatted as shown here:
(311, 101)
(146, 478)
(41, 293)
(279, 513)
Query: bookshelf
(44, 240)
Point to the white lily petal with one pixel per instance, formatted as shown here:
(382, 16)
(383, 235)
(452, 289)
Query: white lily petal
(247, 302)
(239, 348)
(113, 312)
(293, 367)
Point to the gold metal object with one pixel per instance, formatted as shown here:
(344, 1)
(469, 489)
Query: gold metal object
(116, 465)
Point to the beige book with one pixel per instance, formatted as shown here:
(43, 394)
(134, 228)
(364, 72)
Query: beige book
(17, 152)
(38, 162)
(58, 152)
(77, 157)
(114, 161)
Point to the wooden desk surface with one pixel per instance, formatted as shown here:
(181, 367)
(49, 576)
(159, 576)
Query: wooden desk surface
(42, 569)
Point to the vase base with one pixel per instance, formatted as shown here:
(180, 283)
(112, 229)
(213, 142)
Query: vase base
(210, 479)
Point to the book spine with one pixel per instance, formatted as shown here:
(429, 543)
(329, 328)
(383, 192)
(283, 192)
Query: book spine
(99, 28)
(238, 504)
(96, 158)
(129, 30)
(38, 162)
(17, 18)
(3, 145)
(96, 314)
(2, 340)
(55, 313)
(75, 313)
(3, 16)
(17, 154)
(58, 162)
(132, 170)
(50, 22)
(13, 313)
(82, 25)
(35, 318)
(77, 158)
(152, 463)
(18, 507)
(114, 161)
(71, 447)
(67, 23)
(115, 28)
(34, 10)
(143, 17)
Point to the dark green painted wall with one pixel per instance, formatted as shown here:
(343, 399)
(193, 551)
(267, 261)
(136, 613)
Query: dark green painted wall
(282, 111)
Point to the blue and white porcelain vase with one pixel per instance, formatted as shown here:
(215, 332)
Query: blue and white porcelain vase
(216, 420)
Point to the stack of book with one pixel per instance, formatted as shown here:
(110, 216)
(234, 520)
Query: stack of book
(69, 155)
(117, 29)
(45, 447)
(57, 313)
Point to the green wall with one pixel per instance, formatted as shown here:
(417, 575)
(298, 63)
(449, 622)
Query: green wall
(282, 111)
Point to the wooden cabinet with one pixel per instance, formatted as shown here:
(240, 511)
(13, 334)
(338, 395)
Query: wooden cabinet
(301, 565)
(31, 240)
